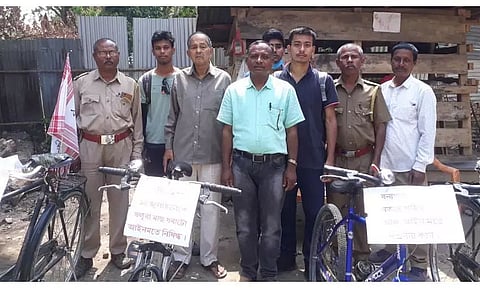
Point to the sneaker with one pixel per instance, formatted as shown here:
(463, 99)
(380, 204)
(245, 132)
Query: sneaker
(121, 261)
(379, 256)
(417, 275)
(83, 266)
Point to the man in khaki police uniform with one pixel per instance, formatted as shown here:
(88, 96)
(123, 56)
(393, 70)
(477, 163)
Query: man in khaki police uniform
(361, 131)
(107, 105)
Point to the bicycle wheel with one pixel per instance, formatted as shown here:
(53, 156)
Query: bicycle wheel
(146, 273)
(432, 259)
(57, 240)
(465, 256)
(328, 264)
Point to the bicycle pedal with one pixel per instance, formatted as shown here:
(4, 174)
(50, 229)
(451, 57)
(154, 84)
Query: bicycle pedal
(363, 269)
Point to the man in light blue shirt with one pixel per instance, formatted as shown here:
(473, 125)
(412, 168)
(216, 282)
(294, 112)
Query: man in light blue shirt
(156, 101)
(260, 114)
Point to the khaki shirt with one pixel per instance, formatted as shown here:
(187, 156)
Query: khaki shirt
(109, 107)
(355, 128)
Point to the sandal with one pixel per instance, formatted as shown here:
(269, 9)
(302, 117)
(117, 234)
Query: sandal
(217, 269)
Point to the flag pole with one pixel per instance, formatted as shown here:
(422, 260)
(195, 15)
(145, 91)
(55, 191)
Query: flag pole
(63, 127)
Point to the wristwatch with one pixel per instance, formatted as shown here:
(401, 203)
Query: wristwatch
(292, 161)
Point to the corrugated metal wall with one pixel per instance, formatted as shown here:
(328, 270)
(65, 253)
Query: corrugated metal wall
(31, 70)
(143, 29)
(92, 28)
(181, 28)
(473, 37)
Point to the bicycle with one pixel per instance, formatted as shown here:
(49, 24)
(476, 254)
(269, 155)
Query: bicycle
(465, 257)
(331, 251)
(146, 253)
(54, 237)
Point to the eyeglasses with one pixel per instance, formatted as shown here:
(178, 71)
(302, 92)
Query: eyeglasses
(105, 53)
(165, 88)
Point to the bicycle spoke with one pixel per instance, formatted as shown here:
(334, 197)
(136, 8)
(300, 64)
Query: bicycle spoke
(59, 250)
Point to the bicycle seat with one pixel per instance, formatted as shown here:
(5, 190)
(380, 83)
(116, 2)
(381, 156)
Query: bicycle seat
(51, 160)
(339, 186)
(179, 169)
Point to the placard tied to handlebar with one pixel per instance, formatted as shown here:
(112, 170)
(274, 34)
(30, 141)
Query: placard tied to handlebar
(412, 215)
(162, 210)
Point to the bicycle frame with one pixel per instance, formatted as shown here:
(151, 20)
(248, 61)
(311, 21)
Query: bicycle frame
(14, 272)
(395, 262)
(49, 200)
(145, 251)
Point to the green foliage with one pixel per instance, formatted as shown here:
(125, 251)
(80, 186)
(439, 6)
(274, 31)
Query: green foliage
(150, 11)
(87, 10)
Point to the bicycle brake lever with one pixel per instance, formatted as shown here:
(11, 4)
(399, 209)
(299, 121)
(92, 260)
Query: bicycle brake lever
(210, 202)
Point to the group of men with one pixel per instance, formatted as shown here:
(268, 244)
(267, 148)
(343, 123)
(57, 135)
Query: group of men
(267, 134)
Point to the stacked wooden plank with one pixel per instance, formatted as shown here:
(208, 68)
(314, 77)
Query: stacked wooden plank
(440, 34)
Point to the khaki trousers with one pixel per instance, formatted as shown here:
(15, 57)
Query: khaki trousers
(209, 218)
(361, 249)
(92, 156)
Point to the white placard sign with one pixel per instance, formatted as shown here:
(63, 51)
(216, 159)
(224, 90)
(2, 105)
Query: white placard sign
(386, 22)
(7, 165)
(162, 210)
(3, 181)
(412, 215)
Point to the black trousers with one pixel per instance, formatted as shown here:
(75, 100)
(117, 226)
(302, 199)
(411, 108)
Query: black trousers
(154, 159)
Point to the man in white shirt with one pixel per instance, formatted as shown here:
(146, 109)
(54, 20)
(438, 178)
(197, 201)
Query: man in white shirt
(410, 136)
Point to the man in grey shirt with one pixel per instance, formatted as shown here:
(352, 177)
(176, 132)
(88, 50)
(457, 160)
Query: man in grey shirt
(194, 135)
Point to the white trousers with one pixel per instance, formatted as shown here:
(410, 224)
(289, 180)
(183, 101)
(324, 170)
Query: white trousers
(209, 217)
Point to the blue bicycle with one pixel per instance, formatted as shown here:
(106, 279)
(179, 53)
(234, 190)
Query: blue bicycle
(331, 251)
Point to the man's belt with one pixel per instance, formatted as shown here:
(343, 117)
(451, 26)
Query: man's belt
(106, 139)
(353, 153)
(257, 158)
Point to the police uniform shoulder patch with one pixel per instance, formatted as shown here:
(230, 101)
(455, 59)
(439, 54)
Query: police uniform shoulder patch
(130, 78)
(370, 83)
(81, 75)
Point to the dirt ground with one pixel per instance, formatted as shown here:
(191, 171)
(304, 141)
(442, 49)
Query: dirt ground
(14, 221)
(11, 238)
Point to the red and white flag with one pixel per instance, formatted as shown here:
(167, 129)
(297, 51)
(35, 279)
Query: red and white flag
(63, 126)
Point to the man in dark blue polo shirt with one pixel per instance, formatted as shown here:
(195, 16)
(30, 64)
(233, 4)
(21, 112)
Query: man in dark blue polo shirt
(316, 142)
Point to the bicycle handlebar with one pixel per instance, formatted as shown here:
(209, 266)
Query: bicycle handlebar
(218, 188)
(385, 176)
(114, 171)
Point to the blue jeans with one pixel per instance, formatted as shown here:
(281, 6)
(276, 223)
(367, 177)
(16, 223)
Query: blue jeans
(312, 191)
(258, 214)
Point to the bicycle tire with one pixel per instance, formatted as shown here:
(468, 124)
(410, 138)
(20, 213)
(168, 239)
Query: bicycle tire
(433, 262)
(48, 252)
(465, 256)
(152, 270)
(328, 264)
